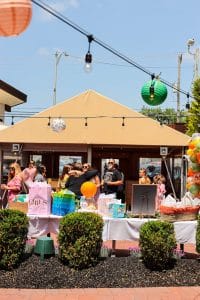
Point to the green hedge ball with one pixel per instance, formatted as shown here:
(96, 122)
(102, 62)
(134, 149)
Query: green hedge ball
(160, 93)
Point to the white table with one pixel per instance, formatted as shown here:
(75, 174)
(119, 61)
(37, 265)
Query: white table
(114, 229)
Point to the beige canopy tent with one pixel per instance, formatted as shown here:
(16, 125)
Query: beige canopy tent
(97, 128)
(103, 117)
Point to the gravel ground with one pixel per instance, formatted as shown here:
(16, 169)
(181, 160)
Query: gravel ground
(110, 272)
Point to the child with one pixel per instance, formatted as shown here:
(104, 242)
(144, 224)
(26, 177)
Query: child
(160, 181)
(143, 178)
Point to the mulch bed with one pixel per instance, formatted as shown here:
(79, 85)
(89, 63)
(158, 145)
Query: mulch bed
(112, 272)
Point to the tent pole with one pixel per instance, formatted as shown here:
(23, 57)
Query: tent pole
(168, 173)
(89, 154)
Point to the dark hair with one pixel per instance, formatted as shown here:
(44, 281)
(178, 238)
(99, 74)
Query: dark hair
(65, 170)
(41, 169)
(31, 162)
(77, 167)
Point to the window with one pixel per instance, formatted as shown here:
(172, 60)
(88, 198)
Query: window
(65, 160)
(152, 166)
(37, 159)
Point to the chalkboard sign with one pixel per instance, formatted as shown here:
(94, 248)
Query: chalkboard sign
(143, 200)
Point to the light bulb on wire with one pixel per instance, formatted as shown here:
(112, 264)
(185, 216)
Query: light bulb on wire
(151, 89)
(88, 56)
(88, 62)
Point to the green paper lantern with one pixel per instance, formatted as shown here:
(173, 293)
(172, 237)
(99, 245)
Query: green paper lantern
(154, 92)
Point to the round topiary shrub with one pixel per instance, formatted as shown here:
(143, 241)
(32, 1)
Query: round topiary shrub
(157, 242)
(198, 236)
(80, 239)
(13, 236)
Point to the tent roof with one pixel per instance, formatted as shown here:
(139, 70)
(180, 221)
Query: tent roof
(104, 119)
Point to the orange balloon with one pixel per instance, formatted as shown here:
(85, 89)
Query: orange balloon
(15, 16)
(88, 189)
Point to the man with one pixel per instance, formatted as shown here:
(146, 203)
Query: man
(112, 179)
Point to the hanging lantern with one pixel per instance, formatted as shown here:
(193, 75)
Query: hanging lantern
(154, 92)
(58, 125)
(15, 16)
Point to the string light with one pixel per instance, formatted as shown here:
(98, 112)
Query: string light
(88, 56)
(49, 122)
(151, 89)
(187, 106)
(58, 124)
(65, 20)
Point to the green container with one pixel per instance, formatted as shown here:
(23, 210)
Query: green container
(44, 246)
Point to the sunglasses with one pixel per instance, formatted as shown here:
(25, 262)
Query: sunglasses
(85, 167)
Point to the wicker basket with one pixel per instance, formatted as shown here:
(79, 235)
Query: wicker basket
(22, 206)
(186, 216)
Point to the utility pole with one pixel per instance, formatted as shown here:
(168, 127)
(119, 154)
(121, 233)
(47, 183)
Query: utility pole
(58, 56)
(196, 64)
(195, 55)
(178, 110)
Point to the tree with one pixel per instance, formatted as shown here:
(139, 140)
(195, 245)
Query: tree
(193, 120)
(167, 115)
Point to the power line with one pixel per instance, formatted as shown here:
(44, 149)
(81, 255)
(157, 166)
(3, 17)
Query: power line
(92, 38)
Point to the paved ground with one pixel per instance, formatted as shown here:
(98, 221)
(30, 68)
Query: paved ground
(161, 293)
(180, 293)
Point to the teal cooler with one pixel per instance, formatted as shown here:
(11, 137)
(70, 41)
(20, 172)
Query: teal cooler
(63, 203)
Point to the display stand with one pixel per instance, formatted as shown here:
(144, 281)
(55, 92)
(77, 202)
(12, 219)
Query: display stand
(143, 202)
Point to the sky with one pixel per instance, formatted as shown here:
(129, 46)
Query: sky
(151, 33)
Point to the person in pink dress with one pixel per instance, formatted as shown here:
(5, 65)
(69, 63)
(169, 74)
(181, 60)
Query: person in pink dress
(29, 173)
(13, 186)
(160, 181)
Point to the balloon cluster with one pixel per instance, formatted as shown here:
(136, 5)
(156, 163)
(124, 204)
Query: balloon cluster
(193, 176)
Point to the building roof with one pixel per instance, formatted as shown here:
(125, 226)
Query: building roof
(104, 125)
(10, 96)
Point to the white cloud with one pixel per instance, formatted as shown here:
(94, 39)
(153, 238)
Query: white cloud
(60, 7)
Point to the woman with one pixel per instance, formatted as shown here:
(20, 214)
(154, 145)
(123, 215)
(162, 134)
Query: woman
(14, 184)
(41, 174)
(63, 177)
(29, 173)
(95, 179)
